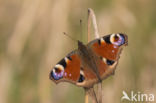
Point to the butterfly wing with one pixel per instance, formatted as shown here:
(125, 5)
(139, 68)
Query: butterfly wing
(71, 69)
(68, 69)
(107, 50)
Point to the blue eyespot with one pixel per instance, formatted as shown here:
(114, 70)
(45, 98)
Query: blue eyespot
(118, 39)
(57, 74)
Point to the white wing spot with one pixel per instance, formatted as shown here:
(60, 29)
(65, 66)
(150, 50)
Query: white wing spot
(59, 66)
(104, 60)
(81, 72)
(66, 60)
(112, 38)
(102, 40)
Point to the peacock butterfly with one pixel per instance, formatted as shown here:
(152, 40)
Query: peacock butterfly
(91, 63)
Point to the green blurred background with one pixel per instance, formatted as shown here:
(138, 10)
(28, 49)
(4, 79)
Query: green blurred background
(31, 43)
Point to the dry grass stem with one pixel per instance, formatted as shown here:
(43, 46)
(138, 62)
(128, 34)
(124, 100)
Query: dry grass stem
(90, 92)
(91, 16)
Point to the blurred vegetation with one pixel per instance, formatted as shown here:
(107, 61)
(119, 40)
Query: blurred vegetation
(31, 43)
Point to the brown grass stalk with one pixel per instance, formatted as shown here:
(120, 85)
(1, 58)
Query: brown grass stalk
(91, 16)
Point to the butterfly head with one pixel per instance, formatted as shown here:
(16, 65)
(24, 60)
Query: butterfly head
(118, 39)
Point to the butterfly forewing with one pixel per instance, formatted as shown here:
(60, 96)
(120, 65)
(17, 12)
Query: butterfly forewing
(68, 69)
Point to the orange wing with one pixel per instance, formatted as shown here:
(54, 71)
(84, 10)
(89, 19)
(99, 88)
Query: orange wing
(108, 49)
(68, 69)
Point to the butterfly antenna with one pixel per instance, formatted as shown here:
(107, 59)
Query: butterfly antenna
(69, 36)
(81, 28)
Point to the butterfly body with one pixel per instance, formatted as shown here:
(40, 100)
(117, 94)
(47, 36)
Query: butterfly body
(90, 63)
(88, 59)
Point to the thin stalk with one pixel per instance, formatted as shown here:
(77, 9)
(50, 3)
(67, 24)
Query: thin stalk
(91, 16)
(86, 97)
(91, 93)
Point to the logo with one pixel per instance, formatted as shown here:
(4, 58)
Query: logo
(137, 97)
